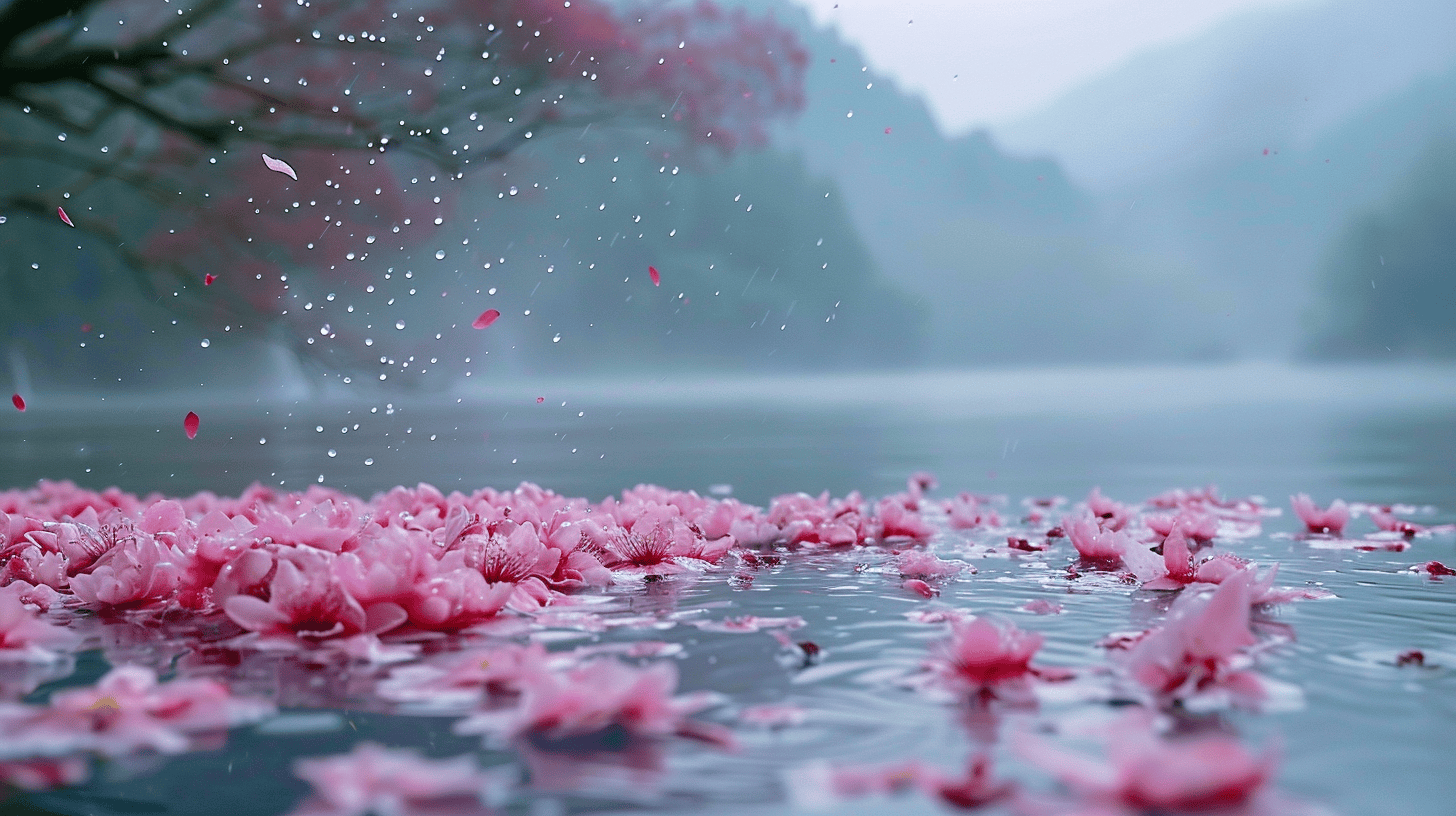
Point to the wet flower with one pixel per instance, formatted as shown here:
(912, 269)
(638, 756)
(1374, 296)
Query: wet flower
(1330, 520)
(981, 654)
(1096, 543)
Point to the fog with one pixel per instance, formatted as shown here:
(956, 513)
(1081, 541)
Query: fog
(1277, 188)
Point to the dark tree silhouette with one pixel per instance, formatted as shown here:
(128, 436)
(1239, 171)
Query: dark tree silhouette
(147, 120)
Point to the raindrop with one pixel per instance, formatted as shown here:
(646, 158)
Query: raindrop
(333, 453)
(399, 324)
(439, 254)
(206, 342)
(368, 461)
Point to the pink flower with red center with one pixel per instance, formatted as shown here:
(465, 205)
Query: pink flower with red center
(1096, 543)
(1199, 651)
(306, 600)
(1329, 520)
(981, 654)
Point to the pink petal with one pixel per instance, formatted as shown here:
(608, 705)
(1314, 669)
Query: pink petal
(486, 318)
(656, 278)
(279, 166)
(208, 279)
(61, 211)
(18, 401)
(540, 400)
(253, 614)
(190, 425)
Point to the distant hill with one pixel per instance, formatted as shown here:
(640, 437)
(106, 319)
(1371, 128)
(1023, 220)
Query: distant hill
(1245, 152)
(1005, 251)
(1387, 283)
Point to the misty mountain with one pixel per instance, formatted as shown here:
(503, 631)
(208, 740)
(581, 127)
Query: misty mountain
(1244, 152)
(1388, 282)
(1005, 251)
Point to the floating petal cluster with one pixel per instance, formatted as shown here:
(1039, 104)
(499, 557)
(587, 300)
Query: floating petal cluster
(489, 608)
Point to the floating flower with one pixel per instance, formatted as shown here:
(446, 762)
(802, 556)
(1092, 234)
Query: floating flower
(1094, 542)
(1330, 520)
(981, 654)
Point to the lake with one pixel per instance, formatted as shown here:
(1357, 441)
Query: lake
(1369, 737)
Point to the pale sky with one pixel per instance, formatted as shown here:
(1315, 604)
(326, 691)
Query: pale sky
(1012, 56)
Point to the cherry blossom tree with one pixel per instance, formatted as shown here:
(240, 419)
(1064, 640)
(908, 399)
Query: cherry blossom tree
(142, 125)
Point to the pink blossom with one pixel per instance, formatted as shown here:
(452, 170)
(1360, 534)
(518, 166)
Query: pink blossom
(1197, 526)
(1390, 524)
(1199, 651)
(136, 572)
(1146, 772)
(1096, 543)
(981, 654)
(966, 513)
(1177, 567)
(1331, 520)
(306, 600)
(1112, 515)
(375, 779)
(895, 520)
(456, 599)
